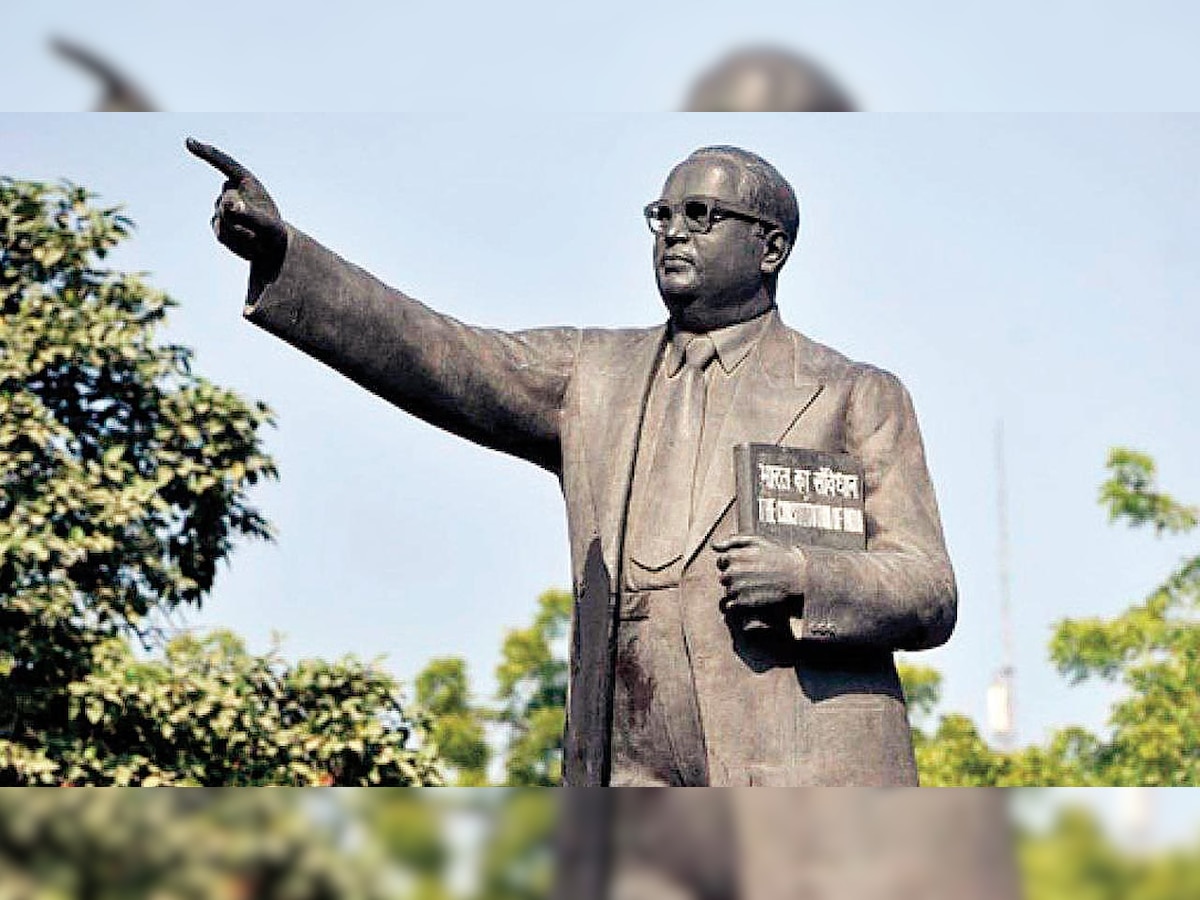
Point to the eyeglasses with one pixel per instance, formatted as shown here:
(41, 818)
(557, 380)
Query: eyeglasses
(699, 213)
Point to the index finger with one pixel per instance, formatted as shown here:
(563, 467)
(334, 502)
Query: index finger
(218, 159)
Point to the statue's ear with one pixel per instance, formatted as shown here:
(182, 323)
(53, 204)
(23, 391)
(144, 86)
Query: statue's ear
(778, 246)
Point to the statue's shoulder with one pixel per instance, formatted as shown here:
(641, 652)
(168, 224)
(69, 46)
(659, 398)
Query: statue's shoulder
(619, 336)
(617, 341)
(826, 364)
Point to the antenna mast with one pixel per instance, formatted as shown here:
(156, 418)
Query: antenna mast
(1001, 695)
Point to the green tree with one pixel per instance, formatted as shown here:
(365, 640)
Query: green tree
(182, 845)
(124, 482)
(952, 752)
(529, 706)
(457, 725)
(1152, 650)
(532, 691)
(207, 712)
(517, 861)
(1074, 859)
(411, 829)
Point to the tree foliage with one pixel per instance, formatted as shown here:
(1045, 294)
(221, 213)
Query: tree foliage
(179, 845)
(1152, 650)
(411, 828)
(458, 727)
(1076, 860)
(512, 854)
(532, 692)
(124, 481)
(517, 860)
(208, 712)
(529, 707)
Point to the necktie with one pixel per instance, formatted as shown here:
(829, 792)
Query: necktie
(660, 525)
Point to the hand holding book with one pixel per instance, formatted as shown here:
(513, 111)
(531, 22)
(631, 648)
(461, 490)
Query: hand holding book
(758, 572)
(787, 498)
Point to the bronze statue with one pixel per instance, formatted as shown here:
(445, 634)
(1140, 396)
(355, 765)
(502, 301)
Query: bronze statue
(699, 656)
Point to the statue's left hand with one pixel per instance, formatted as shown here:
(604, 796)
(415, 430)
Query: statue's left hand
(757, 572)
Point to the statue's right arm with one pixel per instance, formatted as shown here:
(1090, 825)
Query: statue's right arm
(498, 389)
(503, 390)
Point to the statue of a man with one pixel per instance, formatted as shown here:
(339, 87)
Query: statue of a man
(669, 683)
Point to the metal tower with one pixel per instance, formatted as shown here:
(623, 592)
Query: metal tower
(1001, 695)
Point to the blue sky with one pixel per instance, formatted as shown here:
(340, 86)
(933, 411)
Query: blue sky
(617, 56)
(1036, 268)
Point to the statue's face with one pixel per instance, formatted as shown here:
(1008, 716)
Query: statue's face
(711, 279)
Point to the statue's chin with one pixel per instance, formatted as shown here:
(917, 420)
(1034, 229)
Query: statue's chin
(678, 280)
(689, 317)
(697, 314)
(677, 304)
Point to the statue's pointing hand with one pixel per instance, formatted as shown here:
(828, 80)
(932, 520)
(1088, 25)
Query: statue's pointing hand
(246, 219)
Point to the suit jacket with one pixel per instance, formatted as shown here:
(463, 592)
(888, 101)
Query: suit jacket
(825, 709)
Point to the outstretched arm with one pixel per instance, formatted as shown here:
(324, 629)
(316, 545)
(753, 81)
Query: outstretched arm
(498, 389)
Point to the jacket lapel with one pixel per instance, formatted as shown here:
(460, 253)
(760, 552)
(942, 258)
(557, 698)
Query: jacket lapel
(615, 415)
(769, 396)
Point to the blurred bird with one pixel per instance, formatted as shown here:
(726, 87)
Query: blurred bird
(120, 94)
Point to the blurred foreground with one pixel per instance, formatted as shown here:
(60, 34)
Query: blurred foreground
(120, 92)
(879, 56)
(497, 845)
(768, 79)
(749, 79)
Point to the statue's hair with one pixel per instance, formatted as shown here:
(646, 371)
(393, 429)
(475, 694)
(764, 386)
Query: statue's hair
(768, 191)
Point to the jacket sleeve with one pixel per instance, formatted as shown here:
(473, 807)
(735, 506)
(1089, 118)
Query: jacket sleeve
(502, 390)
(899, 593)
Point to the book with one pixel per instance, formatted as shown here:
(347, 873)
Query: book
(800, 498)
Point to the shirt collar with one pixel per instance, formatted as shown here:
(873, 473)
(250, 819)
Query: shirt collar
(733, 343)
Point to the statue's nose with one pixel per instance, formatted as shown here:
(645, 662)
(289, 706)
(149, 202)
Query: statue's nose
(676, 229)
